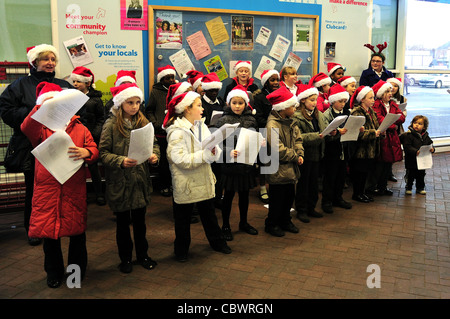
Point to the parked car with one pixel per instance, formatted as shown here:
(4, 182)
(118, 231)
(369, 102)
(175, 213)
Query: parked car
(436, 80)
(413, 79)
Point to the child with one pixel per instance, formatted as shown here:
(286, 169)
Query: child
(192, 178)
(123, 76)
(391, 150)
(349, 84)
(195, 78)
(128, 185)
(92, 116)
(155, 112)
(367, 148)
(412, 140)
(310, 122)
(60, 210)
(236, 177)
(288, 77)
(334, 161)
(270, 80)
(282, 130)
(211, 101)
(335, 72)
(322, 82)
(243, 77)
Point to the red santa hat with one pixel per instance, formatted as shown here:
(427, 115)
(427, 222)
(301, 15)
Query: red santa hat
(380, 88)
(82, 74)
(333, 67)
(165, 70)
(125, 76)
(281, 99)
(123, 92)
(267, 74)
(45, 90)
(211, 81)
(336, 93)
(305, 90)
(359, 94)
(346, 80)
(177, 89)
(397, 81)
(178, 104)
(320, 79)
(240, 91)
(243, 64)
(195, 78)
(34, 51)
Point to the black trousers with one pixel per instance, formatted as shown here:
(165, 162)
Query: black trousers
(281, 198)
(418, 176)
(378, 177)
(333, 180)
(307, 193)
(165, 178)
(182, 216)
(227, 203)
(54, 261)
(123, 235)
(96, 179)
(359, 171)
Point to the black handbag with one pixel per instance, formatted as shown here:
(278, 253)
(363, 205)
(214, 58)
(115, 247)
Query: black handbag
(17, 154)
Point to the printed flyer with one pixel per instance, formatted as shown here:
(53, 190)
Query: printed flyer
(169, 30)
(78, 52)
(242, 33)
(133, 14)
(215, 65)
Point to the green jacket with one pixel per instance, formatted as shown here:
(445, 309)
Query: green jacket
(368, 145)
(313, 144)
(289, 146)
(126, 188)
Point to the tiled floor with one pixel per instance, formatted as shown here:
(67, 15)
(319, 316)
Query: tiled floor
(407, 237)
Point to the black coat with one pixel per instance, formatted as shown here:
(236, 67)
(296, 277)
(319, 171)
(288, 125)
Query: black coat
(92, 114)
(412, 141)
(262, 106)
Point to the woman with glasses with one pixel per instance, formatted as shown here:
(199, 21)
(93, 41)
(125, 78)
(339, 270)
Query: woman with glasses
(376, 71)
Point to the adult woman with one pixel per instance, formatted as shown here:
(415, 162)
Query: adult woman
(376, 70)
(18, 100)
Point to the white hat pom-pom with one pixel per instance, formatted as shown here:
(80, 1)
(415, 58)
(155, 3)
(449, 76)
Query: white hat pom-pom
(165, 112)
(254, 112)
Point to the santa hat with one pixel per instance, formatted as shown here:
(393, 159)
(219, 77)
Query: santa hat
(267, 74)
(359, 94)
(195, 78)
(243, 64)
(333, 67)
(305, 90)
(123, 92)
(320, 79)
(240, 91)
(281, 99)
(177, 89)
(397, 81)
(82, 74)
(165, 70)
(211, 81)
(380, 88)
(178, 104)
(125, 76)
(45, 90)
(336, 93)
(34, 51)
(346, 80)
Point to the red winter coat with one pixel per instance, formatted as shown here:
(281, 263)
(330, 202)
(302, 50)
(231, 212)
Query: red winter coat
(391, 149)
(322, 102)
(58, 210)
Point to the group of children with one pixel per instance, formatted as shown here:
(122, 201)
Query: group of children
(294, 116)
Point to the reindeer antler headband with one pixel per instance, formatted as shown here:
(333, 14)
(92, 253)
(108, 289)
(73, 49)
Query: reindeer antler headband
(380, 47)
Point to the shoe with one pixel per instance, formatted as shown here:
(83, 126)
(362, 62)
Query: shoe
(361, 199)
(249, 229)
(126, 267)
(290, 228)
(227, 233)
(387, 192)
(147, 263)
(274, 231)
(367, 197)
(392, 179)
(343, 204)
(224, 249)
(181, 258)
(166, 192)
(34, 241)
(264, 197)
(315, 214)
(408, 192)
(303, 217)
(375, 192)
(194, 220)
(421, 192)
(54, 283)
(100, 201)
(327, 208)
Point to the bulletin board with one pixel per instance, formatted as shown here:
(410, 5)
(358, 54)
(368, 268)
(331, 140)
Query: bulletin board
(264, 38)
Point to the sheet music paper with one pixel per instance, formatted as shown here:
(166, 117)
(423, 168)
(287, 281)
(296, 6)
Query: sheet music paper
(389, 119)
(248, 144)
(353, 125)
(218, 135)
(141, 143)
(425, 159)
(334, 124)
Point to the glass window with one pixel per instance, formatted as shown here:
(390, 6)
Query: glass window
(384, 28)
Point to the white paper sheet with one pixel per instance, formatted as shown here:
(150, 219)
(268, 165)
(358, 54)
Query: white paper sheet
(248, 144)
(389, 119)
(216, 115)
(425, 159)
(141, 143)
(57, 112)
(334, 124)
(402, 106)
(53, 155)
(279, 48)
(353, 125)
(218, 135)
